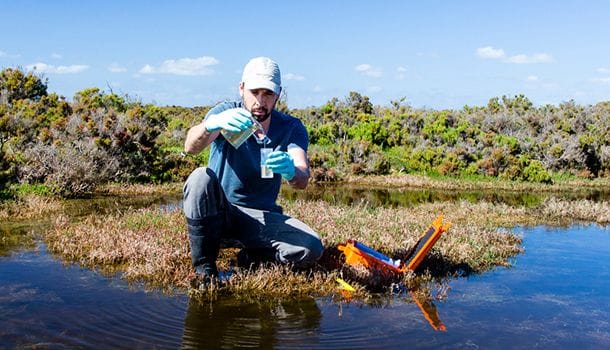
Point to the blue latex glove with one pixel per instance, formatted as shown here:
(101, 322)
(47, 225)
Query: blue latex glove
(234, 119)
(281, 163)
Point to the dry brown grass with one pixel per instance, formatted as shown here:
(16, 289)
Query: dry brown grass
(151, 245)
(275, 281)
(140, 189)
(583, 210)
(30, 206)
(420, 181)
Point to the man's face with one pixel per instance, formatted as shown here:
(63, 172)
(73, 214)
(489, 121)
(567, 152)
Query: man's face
(260, 102)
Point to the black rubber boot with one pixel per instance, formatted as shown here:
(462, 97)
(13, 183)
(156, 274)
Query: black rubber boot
(204, 237)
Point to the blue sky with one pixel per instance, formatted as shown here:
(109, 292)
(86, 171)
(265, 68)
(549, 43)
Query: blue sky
(436, 54)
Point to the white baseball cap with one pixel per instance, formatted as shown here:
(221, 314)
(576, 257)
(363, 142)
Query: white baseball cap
(262, 73)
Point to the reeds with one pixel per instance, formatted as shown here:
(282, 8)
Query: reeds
(420, 181)
(147, 244)
(30, 206)
(583, 210)
(123, 189)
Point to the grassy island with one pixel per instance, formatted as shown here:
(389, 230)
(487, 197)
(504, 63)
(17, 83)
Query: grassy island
(151, 244)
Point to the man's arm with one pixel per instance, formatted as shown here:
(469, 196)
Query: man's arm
(301, 165)
(201, 135)
(198, 138)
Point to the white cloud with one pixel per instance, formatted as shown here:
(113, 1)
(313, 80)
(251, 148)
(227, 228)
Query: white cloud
(428, 54)
(489, 52)
(147, 69)
(551, 86)
(7, 55)
(51, 69)
(55, 56)
(535, 58)
(541, 83)
(368, 70)
(291, 76)
(116, 68)
(183, 66)
(492, 53)
(401, 72)
(604, 80)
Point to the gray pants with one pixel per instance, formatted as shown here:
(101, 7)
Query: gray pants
(290, 240)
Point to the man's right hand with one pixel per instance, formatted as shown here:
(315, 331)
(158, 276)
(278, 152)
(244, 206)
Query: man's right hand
(234, 119)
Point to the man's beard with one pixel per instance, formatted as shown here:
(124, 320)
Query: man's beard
(261, 117)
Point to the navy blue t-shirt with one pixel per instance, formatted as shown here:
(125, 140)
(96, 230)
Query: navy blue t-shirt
(239, 169)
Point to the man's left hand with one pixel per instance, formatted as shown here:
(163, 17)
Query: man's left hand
(281, 163)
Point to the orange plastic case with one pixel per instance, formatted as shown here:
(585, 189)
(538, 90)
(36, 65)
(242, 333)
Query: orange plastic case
(358, 254)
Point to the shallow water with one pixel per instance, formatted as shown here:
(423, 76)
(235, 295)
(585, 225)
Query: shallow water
(408, 197)
(556, 296)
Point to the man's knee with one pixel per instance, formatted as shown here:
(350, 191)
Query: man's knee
(302, 256)
(198, 181)
(201, 194)
(316, 250)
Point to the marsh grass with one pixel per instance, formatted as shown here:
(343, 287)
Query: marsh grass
(30, 206)
(151, 245)
(276, 281)
(147, 244)
(140, 189)
(496, 184)
(577, 210)
(23, 211)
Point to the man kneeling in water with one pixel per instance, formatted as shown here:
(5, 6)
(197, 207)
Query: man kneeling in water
(229, 200)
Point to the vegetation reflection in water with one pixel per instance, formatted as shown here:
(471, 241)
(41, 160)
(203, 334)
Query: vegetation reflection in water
(409, 197)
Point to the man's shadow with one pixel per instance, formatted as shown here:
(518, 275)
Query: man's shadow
(230, 323)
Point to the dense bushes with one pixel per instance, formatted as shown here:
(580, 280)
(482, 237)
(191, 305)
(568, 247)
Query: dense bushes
(508, 138)
(71, 147)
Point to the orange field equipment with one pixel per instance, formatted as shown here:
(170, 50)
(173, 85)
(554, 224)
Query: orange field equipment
(358, 254)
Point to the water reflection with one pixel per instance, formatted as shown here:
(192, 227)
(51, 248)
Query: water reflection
(47, 305)
(409, 197)
(429, 311)
(420, 295)
(115, 204)
(13, 236)
(229, 323)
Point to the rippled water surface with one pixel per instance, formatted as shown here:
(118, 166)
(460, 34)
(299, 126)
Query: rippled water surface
(556, 296)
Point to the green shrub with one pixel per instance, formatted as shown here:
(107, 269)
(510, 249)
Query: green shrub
(424, 160)
(535, 172)
(398, 157)
(451, 164)
(369, 131)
